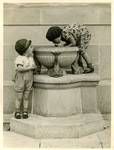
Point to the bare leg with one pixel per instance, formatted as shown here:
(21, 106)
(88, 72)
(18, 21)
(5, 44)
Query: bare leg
(25, 104)
(18, 101)
(17, 105)
(86, 57)
(77, 65)
(26, 101)
(89, 68)
(83, 46)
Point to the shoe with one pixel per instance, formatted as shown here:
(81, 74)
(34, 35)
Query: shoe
(25, 115)
(89, 69)
(77, 69)
(17, 115)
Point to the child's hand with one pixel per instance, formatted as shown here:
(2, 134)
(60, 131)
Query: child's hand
(34, 66)
(37, 70)
(19, 68)
(61, 44)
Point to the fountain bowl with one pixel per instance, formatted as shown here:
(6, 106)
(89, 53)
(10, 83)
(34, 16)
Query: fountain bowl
(45, 55)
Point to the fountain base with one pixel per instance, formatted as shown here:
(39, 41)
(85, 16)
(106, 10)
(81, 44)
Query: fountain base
(74, 126)
(64, 107)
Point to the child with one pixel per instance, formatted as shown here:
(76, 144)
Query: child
(73, 36)
(24, 65)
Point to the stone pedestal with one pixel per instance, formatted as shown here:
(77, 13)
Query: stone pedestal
(65, 96)
(64, 107)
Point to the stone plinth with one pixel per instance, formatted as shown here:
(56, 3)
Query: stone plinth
(62, 127)
(65, 96)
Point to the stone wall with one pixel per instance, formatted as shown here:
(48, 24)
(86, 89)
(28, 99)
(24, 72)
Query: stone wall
(32, 21)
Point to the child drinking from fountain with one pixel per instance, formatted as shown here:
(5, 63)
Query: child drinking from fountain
(24, 66)
(75, 35)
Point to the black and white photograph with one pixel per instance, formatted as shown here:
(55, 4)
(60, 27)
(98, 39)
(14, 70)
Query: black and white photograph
(56, 75)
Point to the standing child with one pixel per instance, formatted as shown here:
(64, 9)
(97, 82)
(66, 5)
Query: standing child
(24, 65)
(75, 35)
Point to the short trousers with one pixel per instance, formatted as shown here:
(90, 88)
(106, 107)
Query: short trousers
(23, 81)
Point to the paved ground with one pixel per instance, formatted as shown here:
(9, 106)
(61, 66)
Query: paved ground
(97, 140)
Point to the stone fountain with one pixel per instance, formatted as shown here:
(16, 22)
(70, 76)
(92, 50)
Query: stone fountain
(63, 105)
(56, 59)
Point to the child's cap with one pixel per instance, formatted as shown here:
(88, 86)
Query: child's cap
(53, 33)
(22, 45)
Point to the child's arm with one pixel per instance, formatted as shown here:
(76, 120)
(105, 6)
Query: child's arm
(22, 69)
(72, 42)
(61, 44)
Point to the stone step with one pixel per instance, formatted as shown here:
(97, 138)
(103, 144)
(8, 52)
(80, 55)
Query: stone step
(58, 127)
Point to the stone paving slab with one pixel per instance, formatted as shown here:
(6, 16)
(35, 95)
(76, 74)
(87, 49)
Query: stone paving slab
(97, 140)
(85, 142)
(105, 138)
(14, 140)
